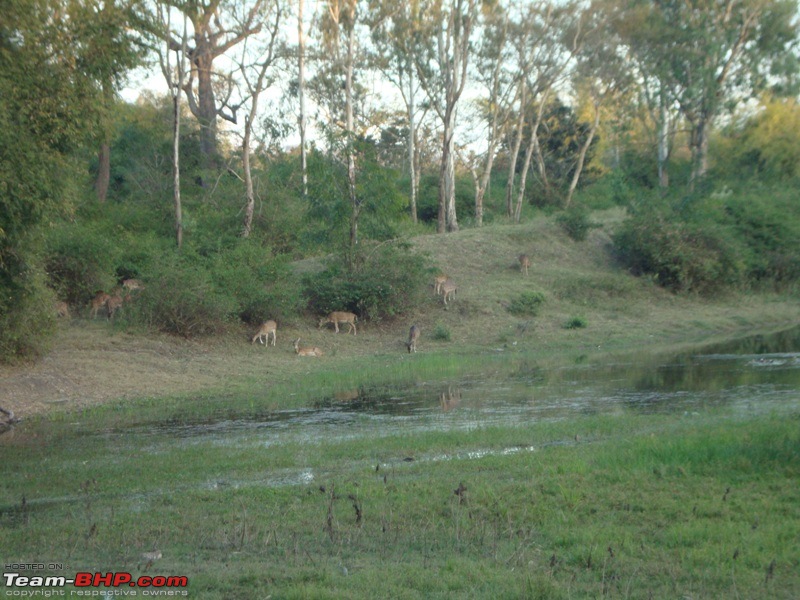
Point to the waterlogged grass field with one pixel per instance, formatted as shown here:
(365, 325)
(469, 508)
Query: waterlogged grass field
(624, 504)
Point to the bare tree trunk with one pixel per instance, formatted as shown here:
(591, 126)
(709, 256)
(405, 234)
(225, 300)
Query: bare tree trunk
(301, 92)
(663, 142)
(582, 156)
(512, 168)
(351, 159)
(412, 166)
(103, 180)
(448, 220)
(176, 170)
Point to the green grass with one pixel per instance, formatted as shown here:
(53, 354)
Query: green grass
(669, 508)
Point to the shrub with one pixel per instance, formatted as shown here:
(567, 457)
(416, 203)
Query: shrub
(380, 281)
(440, 333)
(181, 298)
(575, 323)
(576, 223)
(80, 259)
(526, 304)
(261, 285)
(680, 254)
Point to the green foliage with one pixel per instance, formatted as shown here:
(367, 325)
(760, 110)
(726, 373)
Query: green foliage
(526, 304)
(81, 258)
(386, 280)
(261, 284)
(680, 250)
(183, 299)
(576, 223)
(576, 323)
(441, 333)
(768, 146)
(26, 309)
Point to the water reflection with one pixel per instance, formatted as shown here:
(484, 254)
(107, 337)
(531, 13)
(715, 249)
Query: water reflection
(761, 373)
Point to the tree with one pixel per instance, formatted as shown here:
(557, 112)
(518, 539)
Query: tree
(547, 41)
(174, 77)
(710, 54)
(256, 81)
(395, 39)
(494, 61)
(211, 38)
(442, 70)
(47, 115)
(113, 48)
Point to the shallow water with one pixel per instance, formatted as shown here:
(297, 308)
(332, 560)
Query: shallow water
(752, 375)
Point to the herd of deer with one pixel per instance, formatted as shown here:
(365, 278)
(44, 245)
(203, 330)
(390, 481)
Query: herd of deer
(111, 302)
(443, 286)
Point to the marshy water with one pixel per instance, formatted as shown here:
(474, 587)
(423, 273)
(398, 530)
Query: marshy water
(752, 375)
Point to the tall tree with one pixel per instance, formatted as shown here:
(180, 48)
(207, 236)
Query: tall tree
(395, 38)
(174, 75)
(256, 78)
(301, 94)
(494, 64)
(48, 113)
(442, 69)
(114, 46)
(211, 38)
(710, 54)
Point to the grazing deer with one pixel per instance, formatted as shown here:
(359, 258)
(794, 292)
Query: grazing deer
(413, 336)
(132, 284)
(438, 282)
(62, 309)
(113, 304)
(449, 290)
(98, 302)
(524, 263)
(306, 351)
(269, 327)
(340, 317)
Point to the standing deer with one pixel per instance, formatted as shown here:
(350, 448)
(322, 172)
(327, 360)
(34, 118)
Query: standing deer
(438, 282)
(524, 263)
(62, 309)
(413, 336)
(113, 304)
(306, 351)
(99, 301)
(449, 290)
(132, 284)
(269, 327)
(340, 317)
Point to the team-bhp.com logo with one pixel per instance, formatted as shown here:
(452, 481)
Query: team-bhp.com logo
(156, 585)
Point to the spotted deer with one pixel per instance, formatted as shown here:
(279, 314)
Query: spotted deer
(113, 304)
(340, 317)
(62, 309)
(449, 290)
(98, 302)
(524, 263)
(413, 336)
(268, 327)
(438, 282)
(307, 350)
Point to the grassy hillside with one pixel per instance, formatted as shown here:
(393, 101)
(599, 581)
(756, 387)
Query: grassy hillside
(94, 361)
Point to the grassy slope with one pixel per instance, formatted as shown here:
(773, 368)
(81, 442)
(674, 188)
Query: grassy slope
(93, 362)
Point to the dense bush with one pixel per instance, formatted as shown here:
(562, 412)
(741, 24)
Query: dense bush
(81, 258)
(526, 304)
(190, 295)
(576, 223)
(261, 284)
(681, 254)
(381, 281)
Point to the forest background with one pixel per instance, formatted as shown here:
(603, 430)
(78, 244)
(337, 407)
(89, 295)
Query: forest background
(342, 129)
